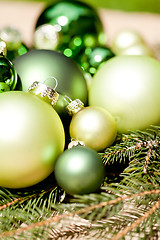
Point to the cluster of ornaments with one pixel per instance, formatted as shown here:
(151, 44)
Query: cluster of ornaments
(63, 101)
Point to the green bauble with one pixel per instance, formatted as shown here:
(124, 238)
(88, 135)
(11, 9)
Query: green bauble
(128, 87)
(130, 42)
(8, 75)
(32, 137)
(68, 26)
(12, 38)
(92, 58)
(94, 126)
(79, 170)
(39, 65)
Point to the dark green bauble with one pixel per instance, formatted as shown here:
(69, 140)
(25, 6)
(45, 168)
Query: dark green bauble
(92, 58)
(77, 26)
(8, 75)
(39, 65)
(79, 170)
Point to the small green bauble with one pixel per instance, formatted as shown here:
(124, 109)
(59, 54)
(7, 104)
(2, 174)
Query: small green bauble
(8, 75)
(79, 170)
(68, 26)
(32, 137)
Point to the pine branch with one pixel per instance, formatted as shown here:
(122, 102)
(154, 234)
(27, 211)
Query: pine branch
(47, 213)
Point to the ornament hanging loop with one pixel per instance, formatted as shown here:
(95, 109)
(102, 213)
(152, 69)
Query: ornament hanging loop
(44, 91)
(73, 106)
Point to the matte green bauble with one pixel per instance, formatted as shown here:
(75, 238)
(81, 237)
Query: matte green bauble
(128, 87)
(68, 26)
(31, 139)
(79, 170)
(94, 126)
(39, 65)
(8, 75)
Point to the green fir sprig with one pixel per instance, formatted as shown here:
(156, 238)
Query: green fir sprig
(126, 207)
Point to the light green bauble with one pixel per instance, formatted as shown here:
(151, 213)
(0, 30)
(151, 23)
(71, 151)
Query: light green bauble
(32, 137)
(79, 170)
(94, 126)
(128, 87)
(130, 42)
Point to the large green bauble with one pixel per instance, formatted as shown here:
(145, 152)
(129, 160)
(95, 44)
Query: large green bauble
(79, 170)
(31, 139)
(77, 26)
(128, 87)
(39, 65)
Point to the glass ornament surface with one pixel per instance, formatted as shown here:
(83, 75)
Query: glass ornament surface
(77, 24)
(8, 75)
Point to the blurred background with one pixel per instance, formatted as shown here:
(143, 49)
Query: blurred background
(140, 15)
(126, 5)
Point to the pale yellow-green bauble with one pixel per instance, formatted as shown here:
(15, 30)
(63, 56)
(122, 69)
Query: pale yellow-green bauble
(31, 139)
(94, 126)
(129, 88)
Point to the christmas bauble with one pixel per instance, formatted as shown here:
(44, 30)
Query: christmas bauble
(31, 139)
(130, 42)
(68, 26)
(39, 65)
(79, 170)
(92, 58)
(128, 87)
(12, 37)
(94, 126)
(8, 75)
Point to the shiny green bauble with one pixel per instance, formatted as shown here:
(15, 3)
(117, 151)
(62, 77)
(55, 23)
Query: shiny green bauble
(8, 75)
(79, 170)
(92, 58)
(76, 26)
(32, 137)
(39, 65)
(94, 126)
(128, 87)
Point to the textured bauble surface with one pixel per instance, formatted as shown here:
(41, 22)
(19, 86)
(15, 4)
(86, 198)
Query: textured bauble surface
(79, 170)
(128, 87)
(39, 65)
(94, 126)
(77, 25)
(31, 139)
(8, 75)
